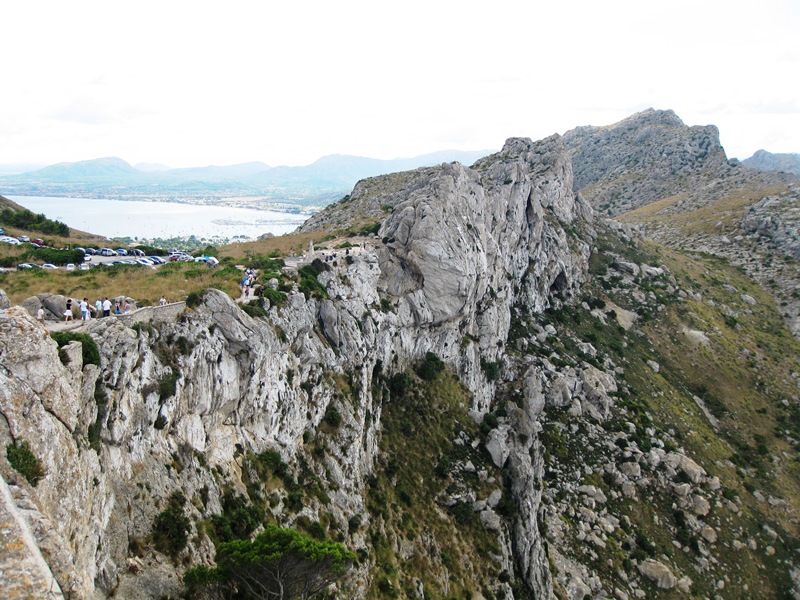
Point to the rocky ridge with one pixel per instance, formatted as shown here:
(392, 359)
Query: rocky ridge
(653, 156)
(186, 407)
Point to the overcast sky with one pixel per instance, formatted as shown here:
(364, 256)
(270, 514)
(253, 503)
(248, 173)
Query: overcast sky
(197, 83)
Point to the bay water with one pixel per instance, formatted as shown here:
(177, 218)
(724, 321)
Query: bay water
(150, 220)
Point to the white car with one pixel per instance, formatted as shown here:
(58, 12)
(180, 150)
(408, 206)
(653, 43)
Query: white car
(49, 266)
(10, 240)
(70, 267)
(144, 261)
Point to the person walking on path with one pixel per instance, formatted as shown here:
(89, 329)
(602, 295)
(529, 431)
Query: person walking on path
(84, 309)
(106, 307)
(68, 311)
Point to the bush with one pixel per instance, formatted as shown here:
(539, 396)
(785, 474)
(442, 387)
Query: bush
(275, 297)
(25, 219)
(399, 383)
(89, 349)
(238, 520)
(23, 460)
(171, 527)
(167, 386)
(491, 369)
(195, 298)
(332, 416)
(430, 367)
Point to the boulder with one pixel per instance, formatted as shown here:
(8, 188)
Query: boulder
(658, 573)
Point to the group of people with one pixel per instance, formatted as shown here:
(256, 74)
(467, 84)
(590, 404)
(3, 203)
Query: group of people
(101, 308)
(247, 281)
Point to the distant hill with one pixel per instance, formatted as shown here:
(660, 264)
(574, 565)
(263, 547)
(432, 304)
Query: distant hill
(327, 179)
(99, 168)
(767, 161)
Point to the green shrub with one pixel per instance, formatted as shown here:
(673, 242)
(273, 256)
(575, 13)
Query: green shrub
(275, 297)
(332, 416)
(20, 457)
(253, 309)
(89, 349)
(171, 527)
(238, 520)
(491, 369)
(167, 386)
(430, 367)
(195, 298)
(399, 383)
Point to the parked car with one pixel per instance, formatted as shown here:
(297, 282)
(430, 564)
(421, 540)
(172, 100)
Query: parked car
(144, 261)
(23, 238)
(35, 245)
(87, 257)
(39, 241)
(22, 266)
(70, 267)
(91, 251)
(10, 240)
(2, 231)
(122, 252)
(49, 266)
(107, 252)
(157, 260)
(84, 267)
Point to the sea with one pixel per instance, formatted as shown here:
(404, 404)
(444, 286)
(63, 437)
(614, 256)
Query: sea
(152, 220)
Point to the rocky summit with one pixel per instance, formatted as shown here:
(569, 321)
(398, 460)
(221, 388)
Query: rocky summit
(474, 384)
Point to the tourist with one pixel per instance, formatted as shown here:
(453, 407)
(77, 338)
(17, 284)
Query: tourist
(117, 311)
(40, 315)
(68, 311)
(98, 308)
(106, 307)
(126, 308)
(84, 309)
(163, 301)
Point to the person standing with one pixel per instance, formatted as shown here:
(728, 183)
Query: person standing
(68, 311)
(106, 307)
(98, 305)
(84, 309)
(40, 315)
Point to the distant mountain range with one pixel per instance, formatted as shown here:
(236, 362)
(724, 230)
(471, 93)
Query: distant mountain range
(767, 161)
(328, 178)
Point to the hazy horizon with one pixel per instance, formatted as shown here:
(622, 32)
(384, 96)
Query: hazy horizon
(285, 84)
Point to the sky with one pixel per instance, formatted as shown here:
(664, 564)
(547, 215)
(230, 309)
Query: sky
(195, 83)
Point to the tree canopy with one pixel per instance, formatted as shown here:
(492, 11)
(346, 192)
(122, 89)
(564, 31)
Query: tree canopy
(279, 564)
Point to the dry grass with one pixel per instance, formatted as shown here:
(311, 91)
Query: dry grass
(727, 210)
(143, 284)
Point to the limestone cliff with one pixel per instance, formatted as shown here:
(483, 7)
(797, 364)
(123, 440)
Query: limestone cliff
(187, 405)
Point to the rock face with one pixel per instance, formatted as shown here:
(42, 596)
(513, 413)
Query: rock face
(178, 405)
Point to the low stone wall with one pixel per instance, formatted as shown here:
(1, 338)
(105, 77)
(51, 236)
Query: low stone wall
(154, 314)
